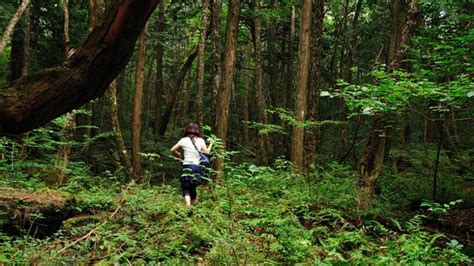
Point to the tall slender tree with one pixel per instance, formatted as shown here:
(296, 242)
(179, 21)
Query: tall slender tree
(297, 139)
(216, 52)
(201, 61)
(119, 142)
(228, 70)
(137, 106)
(317, 27)
(159, 82)
(261, 103)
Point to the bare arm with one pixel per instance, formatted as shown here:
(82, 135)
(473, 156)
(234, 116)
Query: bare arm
(207, 150)
(175, 151)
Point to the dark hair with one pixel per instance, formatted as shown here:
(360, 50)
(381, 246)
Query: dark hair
(192, 129)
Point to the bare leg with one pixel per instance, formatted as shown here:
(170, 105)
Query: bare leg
(187, 199)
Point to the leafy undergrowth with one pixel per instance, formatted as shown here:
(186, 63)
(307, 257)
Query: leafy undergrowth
(254, 215)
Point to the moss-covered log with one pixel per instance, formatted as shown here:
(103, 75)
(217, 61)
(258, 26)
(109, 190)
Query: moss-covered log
(39, 213)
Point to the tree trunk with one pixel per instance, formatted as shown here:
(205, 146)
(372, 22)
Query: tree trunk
(261, 105)
(160, 83)
(120, 144)
(353, 42)
(201, 62)
(246, 109)
(396, 14)
(291, 52)
(275, 95)
(371, 163)
(64, 151)
(11, 25)
(216, 53)
(289, 77)
(228, 69)
(297, 141)
(175, 91)
(312, 136)
(137, 107)
(185, 107)
(21, 48)
(85, 76)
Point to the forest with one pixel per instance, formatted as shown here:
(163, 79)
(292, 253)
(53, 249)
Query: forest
(342, 132)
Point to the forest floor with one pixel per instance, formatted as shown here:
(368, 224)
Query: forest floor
(254, 215)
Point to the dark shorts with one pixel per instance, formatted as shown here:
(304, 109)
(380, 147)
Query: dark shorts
(191, 178)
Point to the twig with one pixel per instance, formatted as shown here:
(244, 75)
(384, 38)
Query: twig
(102, 224)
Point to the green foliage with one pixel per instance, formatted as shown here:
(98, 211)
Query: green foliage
(258, 215)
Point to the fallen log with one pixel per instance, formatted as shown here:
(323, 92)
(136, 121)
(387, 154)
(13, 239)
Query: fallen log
(38, 213)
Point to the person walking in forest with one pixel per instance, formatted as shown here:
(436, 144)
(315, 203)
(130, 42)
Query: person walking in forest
(192, 171)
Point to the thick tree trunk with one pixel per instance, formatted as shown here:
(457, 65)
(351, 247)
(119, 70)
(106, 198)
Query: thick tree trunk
(119, 143)
(201, 62)
(261, 105)
(228, 70)
(175, 91)
(297, 139)
(11, 25)
(160, 83)
(137, 107)
(85, 76)
(312, 135)
(396, 15)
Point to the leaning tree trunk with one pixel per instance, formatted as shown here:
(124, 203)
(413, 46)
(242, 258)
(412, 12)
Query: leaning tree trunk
(175, 91)
(201, 62)
(261, 105)
(297, 138)
(120, 144)
(312, 135)
(84, 77)
(137, 107)
(228, 70)
(11, 25)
